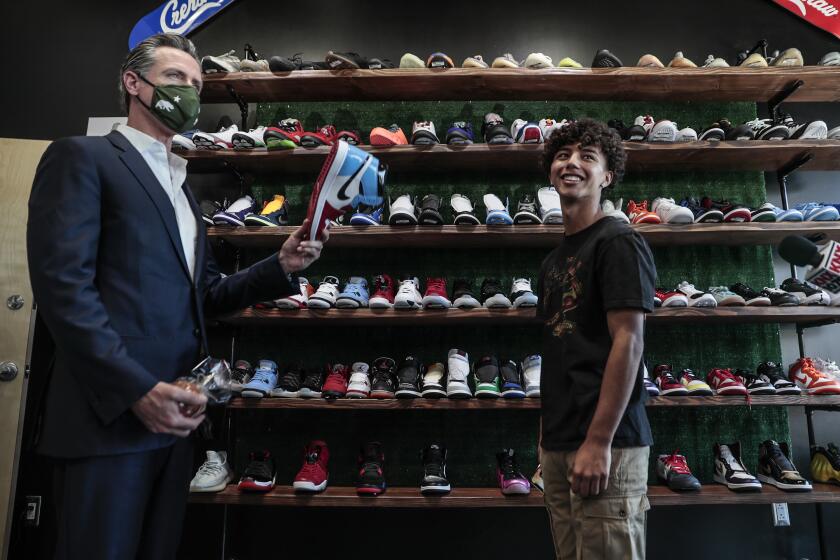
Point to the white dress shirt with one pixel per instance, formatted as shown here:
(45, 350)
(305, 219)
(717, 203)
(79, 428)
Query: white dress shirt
(171, 172)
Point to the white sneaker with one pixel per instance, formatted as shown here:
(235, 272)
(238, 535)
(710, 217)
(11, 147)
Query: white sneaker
(646, 122)
(433, 386)
(402, 211)
(464, 211)
(538, 61)
(475, 61)
(409, 60)
(549, 202)
(715, 62)
(182, 143)
(326, 294)
(663, 131)
(359, 385)
(696, 298)
(549, 125)
(408, 296)
(457, 382)
(248, 140)
(423, 133)
(506, 61)
(687, 134)
(214, 474)
(521, 294)
(497, 211)
(614, 209)
(833, 134)
(531, 367)
(296, 301)
(227, 62)
(525, 132)
(672, 213)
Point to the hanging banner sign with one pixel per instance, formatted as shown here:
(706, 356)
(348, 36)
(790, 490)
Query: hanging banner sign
(176, 16)
(825, 14)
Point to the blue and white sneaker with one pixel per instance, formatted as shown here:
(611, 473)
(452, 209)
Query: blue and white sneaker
(460, 133)
(367, 216)
(355, 294)
(497, 212)
(184, 141)
(264, 380)
(791, 215)
(234, 215)
(814, 212)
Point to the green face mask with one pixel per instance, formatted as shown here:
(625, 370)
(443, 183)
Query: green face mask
(177, 107)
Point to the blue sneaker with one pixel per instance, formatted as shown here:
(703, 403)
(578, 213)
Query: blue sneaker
(264, 380)
(355, 294)
(814, 212)
(366, 216)
(792, 215)
(511, 380)
(497, 213)
(234, 215)
(460, 133)
(702, 214)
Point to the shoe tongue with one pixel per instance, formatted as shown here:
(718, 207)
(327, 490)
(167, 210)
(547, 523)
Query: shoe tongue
(213, 457)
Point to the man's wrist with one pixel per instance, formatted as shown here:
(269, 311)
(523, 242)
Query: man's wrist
(600, 440)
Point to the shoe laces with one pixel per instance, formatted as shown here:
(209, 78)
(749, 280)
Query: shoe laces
(262, 375)
(259, 469)
(678, 463)
(311, 462)
(210, 468)
(381, 284)
(509, 467)
(338, 372)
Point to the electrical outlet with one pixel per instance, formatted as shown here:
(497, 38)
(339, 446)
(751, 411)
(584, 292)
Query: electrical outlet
(781, 516)
(32, 515)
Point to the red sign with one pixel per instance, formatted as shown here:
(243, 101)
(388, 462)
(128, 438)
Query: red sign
(825, 14)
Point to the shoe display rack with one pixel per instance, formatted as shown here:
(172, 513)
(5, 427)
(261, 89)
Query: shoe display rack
(771, 85)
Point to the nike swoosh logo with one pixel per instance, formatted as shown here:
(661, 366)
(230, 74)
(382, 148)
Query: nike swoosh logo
(342, 192)
(800, 5)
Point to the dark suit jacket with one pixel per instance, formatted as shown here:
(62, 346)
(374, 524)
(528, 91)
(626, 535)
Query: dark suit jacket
(112, 285)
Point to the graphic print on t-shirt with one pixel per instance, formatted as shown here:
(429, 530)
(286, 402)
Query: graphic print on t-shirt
(571, 288)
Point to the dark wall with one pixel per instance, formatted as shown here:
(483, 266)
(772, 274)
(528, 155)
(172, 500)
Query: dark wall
(65, 70)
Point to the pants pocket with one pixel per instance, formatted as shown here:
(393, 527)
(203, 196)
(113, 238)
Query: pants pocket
(614, 528)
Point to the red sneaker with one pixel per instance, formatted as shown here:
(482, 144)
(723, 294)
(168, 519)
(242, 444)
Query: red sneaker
(811, 380)
(670, 299)
(435, 296)
(349, 136)
(639, 214)
(313, 475)
(335, 387)
(383, 293)
(724, 382)
(286, 135)
(326, 136)
(664, 378)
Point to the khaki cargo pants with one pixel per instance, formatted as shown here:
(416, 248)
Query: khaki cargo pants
(610, 526)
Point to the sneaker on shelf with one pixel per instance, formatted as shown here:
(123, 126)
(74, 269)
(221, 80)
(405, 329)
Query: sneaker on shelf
(344, 60)
(670, 212)
(511, 380)
(537, 479)
(371, 481)
(732, 212)
(736, 132)
(463, 296)
(673, 470)
(650, 61)
(726, 297)
(715, 62)
(383, 292)
(751, 297)
(680, 61)
(814, 212)
(772, 373)
(640, 129)
(686, 134)
(613, 209)
(833, 134)
(825, 464)
(314, 473)
(827, 367)
(227, 62)
(435, 296)
(434, 386)
(511, 481)
(695, 387)
(288, 385)
(538, 61)
(367, 216)
(810, 130)
(214, 474)
(434, 471)
(263, 381)
(184, 140)
(830, 59)
(701, 213)
(695, 297)
(423, 133)
(458, 371)
(807, 293)
(753, 60)
(335, 385)
(273, 213)
(464, 211)
(402, 211)
(526, 211)
(531, 369)
(497, 211)
(776, 468)
(408, 295)
(326, 294)
(639, 213)
(650, 386)
(242, 140)
(313, 381)
(754, 383)
(567, 62)
(730, 470)
(475, 61)
(492, 295)
(259, 475)
(325, 136)
(811, 380)
(788, 57)
(359, 384)
(725, 383)
(430, 211)
(663, 131)
(285, 136)
(605, 59)
(234, 215)
(486, 377)
(439, 60)
(391, 136)
(240, 374)
(354, 295)
(350, 136)
(460, 134)
(296, 301)
(780, 298)
(789, 215)
(495, 131)
(670, 298)
(549, 125)
(768, 129)
(526, 132)
(383, 381)
(506, 61)
(764, 213)
(410, 378)
(714, 132)
(668, 385)
(521, 293)
(409, 60)
(210, 208)
(549, 202)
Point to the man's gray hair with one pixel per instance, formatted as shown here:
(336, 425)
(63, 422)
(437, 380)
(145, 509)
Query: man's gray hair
(142, 57)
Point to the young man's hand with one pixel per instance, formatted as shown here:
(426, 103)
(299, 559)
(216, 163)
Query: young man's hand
(591, 471)
(297, 254)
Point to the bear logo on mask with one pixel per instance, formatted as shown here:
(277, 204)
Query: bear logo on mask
(164, 105)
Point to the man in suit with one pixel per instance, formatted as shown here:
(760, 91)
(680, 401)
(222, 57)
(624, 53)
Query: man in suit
(123, 276)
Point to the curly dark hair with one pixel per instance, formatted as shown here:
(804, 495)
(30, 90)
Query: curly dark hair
(588, 132)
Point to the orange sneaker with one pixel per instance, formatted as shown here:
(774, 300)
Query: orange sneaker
(811, 380)
(391, 136)
(639, 213)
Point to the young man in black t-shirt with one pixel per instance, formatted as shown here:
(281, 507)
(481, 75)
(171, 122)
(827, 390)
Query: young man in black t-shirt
(594, 291)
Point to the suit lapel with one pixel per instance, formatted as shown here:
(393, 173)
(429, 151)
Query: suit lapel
(200, 239)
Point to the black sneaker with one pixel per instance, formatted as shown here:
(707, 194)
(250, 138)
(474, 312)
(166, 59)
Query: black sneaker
(409, 378)
(430, 211)
(486, 376)
(345, 60)
(240, 374)
(434, 470)
(702, 214)
(751, 297)
(375, 63)
(805, 292)
(755, 385)
(776, 468)
(383, 382)
(780, 298)
(463, 296)
(492, 294)
(739, 132)
(371, 480)
(713, 132)
(619, 127)
(208, 209)
(773, 374)
(730, 470)
(605, 59)
(313, 380)
(290, 382)
(526, 211)
(259, 475)
(283, 64)
(495, 131)
(768, 129)
(511, 380)
(808, 130)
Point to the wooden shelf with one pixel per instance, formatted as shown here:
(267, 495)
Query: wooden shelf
(511, 404)
(743, 155)
(473, 237)
(711, 494)
(615, 84)
(458, 317)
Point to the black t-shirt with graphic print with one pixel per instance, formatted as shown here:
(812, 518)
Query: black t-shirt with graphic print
(603, 267)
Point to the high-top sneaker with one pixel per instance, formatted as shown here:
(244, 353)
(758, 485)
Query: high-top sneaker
(259, 475)
(430, 211)
(772, 373)
(458, 369)
(435, 297)
(313, 475)
(511, 380)
(486, 376)
(297, 301)
(776, 468)
(326, 294)
(313, 380)
(408, 296)
(464, 210)
(288, 386)
(263, 381)
(434, 470)
(335, 386)
(383, 292)
(463, 296)
(492, 295)
(531, 370)
(354, 295)
(383, 378)
(324, 137)
(730, 470)
(433, 381)
(410, 378)
(825, 464)
(359, 385)
(526, 211)
(521, 294)
(240, 374)
(511, 480)
(811, 380)
(371, 480)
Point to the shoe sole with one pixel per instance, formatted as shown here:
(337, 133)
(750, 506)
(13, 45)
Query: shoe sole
(300, 486)
(499, 218)
(363, 220)
(338, 62)
(487, 394)
(431, 490)
(516, 490)
(369, 490)
(732, 392)
(309, 394)
(783, 486)
(527, 300)
(498, 301)
(280, 393)
(407, 394)
(227, 220)
(345, 303)
(437, 393)
(466, 303)
(701, 393)
(357, 394)
(254, 393)
(663, 134)
(380, 303)
(459, 394)
(736, 486)
(675, 302)
(258, 221)
(216, 488)
(430, 218)
(526, 218)
(207, 142)
(402, 219)
(381, 395)
(682, 392)
(318, 303)
(436, 302)
(513, 394)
